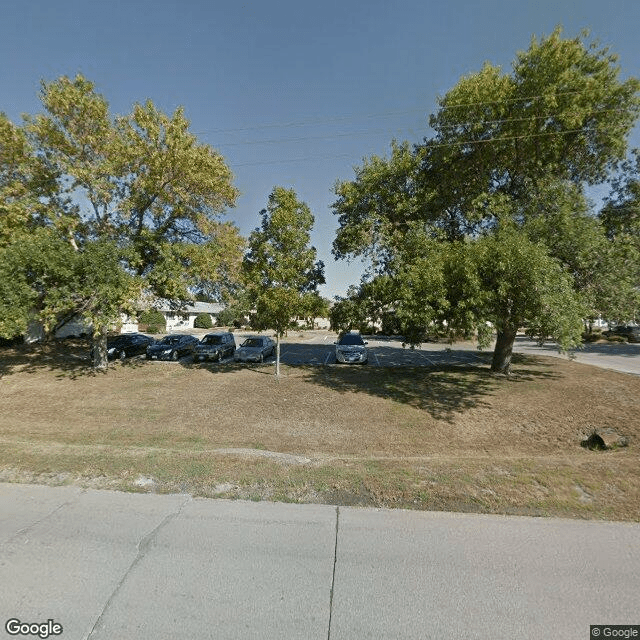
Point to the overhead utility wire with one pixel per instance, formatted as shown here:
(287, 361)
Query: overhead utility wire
(507, 100)
(317, 121)
(543, 116)
(436, 145)
(384, 114)
(306, 138)
(379, 131)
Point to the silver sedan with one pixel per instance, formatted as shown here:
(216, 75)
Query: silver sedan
(351, 348)
(255, 349)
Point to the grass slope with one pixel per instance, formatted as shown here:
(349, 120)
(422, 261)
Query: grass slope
(456, 438)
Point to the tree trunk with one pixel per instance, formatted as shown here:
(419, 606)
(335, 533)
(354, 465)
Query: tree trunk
(501, 362)
(100, 360)
(277, 355)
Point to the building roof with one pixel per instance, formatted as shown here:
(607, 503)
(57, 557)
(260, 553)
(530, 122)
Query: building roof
(195, 307)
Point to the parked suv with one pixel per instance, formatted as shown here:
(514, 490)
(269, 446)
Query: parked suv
(628, 331)
(215, 346)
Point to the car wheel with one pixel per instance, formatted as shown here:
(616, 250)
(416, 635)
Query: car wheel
(220, 356)
(174, 356)
(122, 355)
(261, 357)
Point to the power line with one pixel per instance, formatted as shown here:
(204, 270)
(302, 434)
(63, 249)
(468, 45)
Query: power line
(307, 138)
(307, 159)
(544, 116)
(317, 121)
(436, 145)
(508, 138)
(509, 100)
(412, 129)
(383, 114)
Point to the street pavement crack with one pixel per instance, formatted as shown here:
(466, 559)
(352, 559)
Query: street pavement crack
(25, 530)
(143, 547)
(333, 575)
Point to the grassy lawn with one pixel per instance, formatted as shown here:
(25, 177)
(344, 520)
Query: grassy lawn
(454, 438)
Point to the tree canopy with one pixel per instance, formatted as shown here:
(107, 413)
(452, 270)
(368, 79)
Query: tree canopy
(499, 191)
(138, 191)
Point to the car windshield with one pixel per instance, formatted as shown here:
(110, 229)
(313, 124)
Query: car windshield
(170, 340)
(252, 342)
(211, 340)
(351, 338)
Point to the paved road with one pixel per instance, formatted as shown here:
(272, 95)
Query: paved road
(108, 565)
(623, 357)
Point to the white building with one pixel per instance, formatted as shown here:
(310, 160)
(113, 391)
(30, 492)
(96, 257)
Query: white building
(183, 318)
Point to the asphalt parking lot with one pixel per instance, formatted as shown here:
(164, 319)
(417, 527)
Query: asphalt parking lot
(317, 348)
(383, 352)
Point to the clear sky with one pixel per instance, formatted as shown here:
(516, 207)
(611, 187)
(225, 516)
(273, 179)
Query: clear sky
(292, 92)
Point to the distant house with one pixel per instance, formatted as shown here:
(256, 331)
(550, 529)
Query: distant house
(183, 318)
(176, 319)
(313, 323)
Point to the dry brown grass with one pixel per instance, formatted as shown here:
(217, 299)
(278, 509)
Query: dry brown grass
(456, 438)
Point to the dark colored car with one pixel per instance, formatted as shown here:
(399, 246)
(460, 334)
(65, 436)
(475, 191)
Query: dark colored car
(172, 347)
(351, 348)
(628, 331)
(127, 345)
(255, 349)
(215, 346)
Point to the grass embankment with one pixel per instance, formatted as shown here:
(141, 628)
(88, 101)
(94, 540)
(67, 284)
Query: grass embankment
(450, 439)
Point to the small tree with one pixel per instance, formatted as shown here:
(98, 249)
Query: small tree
(280, 267)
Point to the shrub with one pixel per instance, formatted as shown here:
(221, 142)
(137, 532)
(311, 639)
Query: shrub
(203, 321)
(616, 339)
(151, 316)
(152, 321)
(231, 317)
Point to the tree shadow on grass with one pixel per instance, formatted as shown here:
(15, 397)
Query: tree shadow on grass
(68, 358)
(443, 391)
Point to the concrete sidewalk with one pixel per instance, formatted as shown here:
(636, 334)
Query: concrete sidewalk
(109, 565)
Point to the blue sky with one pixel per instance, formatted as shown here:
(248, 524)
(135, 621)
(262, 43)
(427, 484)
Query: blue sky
(292, 93)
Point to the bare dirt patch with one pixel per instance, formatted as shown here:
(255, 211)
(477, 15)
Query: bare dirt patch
(454, 438)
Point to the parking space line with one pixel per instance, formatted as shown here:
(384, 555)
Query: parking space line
(326, 360)
(375, 355)
(431, 362)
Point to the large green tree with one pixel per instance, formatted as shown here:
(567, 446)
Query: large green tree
(140, 184)
(281, 270)
(511, 155)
